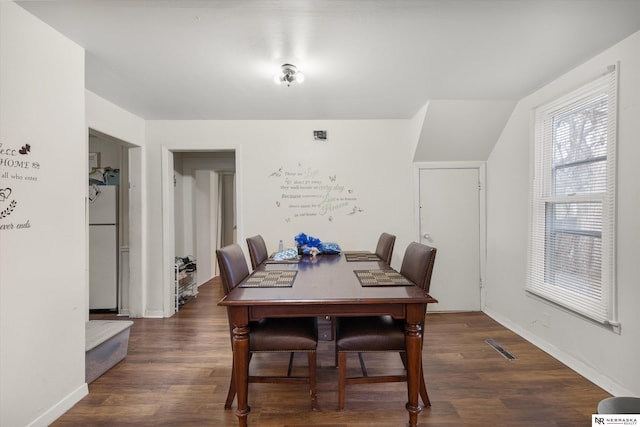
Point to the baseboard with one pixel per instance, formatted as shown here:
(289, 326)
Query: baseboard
(61, 407)
(154, 314)
(578, 366)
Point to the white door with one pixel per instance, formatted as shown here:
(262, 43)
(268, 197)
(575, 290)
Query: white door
(450, 222)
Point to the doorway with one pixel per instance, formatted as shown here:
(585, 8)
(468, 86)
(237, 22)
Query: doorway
(204, 208)
(122, 159)
(451, 218)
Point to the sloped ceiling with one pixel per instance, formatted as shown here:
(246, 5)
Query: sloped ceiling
(363, 59)
(461, 130)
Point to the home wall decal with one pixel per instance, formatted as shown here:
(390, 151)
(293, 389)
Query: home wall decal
(17, 171)
(305, 191)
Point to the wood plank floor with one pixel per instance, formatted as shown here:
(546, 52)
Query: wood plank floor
(177, 372)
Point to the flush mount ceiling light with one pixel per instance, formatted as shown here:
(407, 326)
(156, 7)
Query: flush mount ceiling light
(288, 74)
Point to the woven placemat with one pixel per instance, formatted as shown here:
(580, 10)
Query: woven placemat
(282, 261)
(271, 260)
(361, 256)
(270, 279)
(381, 278)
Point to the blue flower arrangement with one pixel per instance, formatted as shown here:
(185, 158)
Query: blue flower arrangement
(306, 242)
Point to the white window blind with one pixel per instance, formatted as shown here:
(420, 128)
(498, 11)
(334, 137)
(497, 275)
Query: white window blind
(572, 230)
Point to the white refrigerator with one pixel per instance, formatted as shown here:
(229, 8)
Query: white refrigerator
(103, 248)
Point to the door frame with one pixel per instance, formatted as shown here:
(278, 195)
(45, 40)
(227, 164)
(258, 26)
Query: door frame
(132, 177)
(168, 216)
(481, 166)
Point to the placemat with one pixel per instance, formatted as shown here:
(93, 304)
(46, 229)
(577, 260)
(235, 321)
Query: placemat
(381, 278)
(270, 260)
(270, 279)
(361, 256)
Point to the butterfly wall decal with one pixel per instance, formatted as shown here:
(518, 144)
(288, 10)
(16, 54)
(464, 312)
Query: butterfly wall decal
(25, 149)
(277, 173)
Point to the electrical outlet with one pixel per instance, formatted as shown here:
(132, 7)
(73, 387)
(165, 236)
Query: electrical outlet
(546, 320)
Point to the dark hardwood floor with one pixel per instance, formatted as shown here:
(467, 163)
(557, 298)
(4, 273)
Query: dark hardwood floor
(177, 373)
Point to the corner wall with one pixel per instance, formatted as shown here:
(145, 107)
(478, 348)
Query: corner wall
(43, 237)
(606, 358)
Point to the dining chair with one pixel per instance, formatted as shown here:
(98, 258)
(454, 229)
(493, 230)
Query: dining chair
(383, 333)
(257, 250)
(384, 249)
(271, 335)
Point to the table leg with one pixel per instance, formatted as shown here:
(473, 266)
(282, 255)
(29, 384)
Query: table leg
(413, 342)
(241, 366)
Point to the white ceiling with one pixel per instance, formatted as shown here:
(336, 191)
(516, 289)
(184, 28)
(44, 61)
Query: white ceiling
(363, 59)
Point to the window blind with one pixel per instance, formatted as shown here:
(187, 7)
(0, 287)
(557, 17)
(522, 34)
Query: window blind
(572, 229)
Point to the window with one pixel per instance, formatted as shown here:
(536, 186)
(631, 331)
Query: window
(571, 254)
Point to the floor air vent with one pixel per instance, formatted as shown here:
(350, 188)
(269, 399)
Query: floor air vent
(500, 350)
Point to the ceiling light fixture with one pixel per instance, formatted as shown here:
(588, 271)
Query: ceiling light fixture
(288, 74)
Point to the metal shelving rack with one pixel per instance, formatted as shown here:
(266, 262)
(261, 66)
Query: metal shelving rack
(185, 280)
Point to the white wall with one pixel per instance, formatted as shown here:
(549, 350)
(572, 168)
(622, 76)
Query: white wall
(461, 129)
(603, 356)
(370, 158)
(205, 216)
(114, 121)
(110, 153)
(43, 266)
(181, 214)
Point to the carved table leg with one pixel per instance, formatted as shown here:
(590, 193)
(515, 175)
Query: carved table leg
(241, 366)
(413, 342)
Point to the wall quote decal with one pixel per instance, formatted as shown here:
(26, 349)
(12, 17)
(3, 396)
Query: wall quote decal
(307, 192)
(15, 165)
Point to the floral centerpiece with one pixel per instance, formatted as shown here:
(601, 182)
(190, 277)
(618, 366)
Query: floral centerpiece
(309, 245)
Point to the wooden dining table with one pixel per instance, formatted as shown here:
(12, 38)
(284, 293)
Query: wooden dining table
(326, 285)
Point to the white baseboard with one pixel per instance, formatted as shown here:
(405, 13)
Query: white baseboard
(580, 367)
(154, 314)
(61, 407)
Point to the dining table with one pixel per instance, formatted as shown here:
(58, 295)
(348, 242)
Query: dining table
(326, 285)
